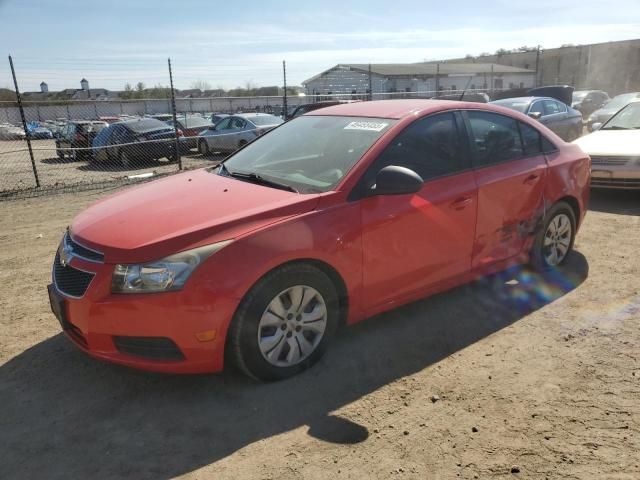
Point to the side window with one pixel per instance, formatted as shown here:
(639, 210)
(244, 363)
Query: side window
(224, 124)
(537, 107)
(531, 139)
(237, 123)
(431, 147)
(496, 138)
(551, 107)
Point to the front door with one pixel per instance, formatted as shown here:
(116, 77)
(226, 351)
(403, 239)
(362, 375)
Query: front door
(510, 171)
(416, 240)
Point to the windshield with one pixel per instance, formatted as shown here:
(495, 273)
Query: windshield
(265, 120)
(195, 122)
(620, 101)
(311, 154)
(626, 119)
(577, 96)
(517, 105)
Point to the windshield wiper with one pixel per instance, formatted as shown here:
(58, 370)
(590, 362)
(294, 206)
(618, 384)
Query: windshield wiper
(258, 179)
(615, 127)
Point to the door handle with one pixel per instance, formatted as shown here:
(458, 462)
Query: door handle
(531, 179)
(460, 203)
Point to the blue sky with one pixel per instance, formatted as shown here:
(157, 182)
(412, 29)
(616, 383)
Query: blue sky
(117, 41)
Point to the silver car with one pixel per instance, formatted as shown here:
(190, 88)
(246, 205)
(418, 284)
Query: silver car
(235, 132)
(612, 107)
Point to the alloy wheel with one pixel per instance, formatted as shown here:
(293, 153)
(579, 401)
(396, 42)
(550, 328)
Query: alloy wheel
(292, 326)
(557, 239)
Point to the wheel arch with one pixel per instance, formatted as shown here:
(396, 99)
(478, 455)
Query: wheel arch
(573, 203)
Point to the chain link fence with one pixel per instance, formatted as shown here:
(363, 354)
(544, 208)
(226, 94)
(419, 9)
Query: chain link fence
(92, 139)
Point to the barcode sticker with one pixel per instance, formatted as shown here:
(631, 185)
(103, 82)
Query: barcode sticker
(372, 126)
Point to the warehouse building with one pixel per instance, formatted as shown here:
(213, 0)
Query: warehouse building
(357, 79)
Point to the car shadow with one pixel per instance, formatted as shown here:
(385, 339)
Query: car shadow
(620, 202)
(65, 415)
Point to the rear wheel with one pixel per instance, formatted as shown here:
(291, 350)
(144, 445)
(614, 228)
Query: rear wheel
(284, 323)
(554, 241)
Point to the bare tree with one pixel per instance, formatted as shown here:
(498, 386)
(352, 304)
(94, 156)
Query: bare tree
(201, 85)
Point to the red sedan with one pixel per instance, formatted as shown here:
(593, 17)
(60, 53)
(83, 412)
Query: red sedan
(328, 219)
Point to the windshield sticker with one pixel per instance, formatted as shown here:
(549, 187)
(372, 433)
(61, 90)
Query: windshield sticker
(372, 126)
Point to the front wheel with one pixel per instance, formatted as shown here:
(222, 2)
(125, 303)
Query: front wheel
(203, 147)
(555, 240)
(284, 323)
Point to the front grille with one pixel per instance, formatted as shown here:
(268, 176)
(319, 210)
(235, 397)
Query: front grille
(152, 348)
(82, 251)
(69, 280)
(615, 182)
(600, 160)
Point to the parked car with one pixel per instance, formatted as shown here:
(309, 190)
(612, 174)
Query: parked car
(588, 101)
(135, 140)
(235, 132)
(310, 107)
(215, 118)
(191, 126)
(38, 132)
(614, 148)
(11, 132)
(553, 114)
(77, 134)
(612, 107)
(338, 215)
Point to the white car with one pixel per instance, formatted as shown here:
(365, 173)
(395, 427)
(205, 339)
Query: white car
(614, 148)
(11, 132)
(235, 132)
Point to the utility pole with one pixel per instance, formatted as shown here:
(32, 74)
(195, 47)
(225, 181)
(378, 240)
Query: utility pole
(370, 84)
(176, 142)
(537, 82)
(437, 79)
(24, 122)
(284, 98)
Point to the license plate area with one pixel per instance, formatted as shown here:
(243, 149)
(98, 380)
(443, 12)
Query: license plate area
(58, 306)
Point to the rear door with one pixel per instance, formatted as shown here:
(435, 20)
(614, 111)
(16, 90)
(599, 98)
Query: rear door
(220, 139)
(510, 170)
(413, 241)
(556, 117)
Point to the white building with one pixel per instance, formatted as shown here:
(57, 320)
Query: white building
(417, 77)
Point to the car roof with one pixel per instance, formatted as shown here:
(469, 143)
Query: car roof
(253, 115)
(398, 109)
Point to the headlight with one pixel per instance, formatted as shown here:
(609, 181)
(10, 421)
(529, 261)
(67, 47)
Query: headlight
(164, 275)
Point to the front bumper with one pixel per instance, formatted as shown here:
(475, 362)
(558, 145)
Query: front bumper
(113, 327)
(625, 177)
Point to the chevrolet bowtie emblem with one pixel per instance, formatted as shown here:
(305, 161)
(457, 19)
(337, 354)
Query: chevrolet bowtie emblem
(66, 254)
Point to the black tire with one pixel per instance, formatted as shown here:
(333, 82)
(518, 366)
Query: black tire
(203, 148)
(539, 251)
(242, 342)
(125, 159)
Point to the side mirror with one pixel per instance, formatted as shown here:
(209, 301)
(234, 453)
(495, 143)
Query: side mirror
(596, 126)
(395, 180)
(535, 115)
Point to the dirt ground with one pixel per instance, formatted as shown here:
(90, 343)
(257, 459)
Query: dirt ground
(513, 376)
(16, 171)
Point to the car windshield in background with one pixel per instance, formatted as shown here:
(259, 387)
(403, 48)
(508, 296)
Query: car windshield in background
(577, 96)
(312, 153)
(194, 122)
(626, 119)
(146, 125)
(620, 101)
(265, 120)
(517, 105)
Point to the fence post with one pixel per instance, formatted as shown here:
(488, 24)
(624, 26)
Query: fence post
(175, 120)
(24, 122)
(284, 98)
(370, 84)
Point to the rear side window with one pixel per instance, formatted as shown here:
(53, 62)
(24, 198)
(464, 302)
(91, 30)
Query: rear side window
(552, 107)
(531, 139)
(431, 147)
(496, 138)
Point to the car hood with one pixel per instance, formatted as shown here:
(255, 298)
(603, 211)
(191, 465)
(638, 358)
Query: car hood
(180, 212)
(611, 142)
